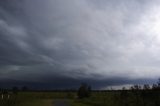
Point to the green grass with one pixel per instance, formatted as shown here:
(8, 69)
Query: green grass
(77, 103)
(40, 102)
(34, 98)
(113, 98)
(119, 99)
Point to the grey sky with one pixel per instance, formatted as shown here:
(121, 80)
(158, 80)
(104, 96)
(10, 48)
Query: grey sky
(79, 39)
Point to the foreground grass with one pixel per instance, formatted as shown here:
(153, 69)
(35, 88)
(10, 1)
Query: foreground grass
(34, 98)
(120, 98)
(75, 103)
(41, 102)
(114, 98)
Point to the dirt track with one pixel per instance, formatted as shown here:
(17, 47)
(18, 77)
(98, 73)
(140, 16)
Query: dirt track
(60, 102)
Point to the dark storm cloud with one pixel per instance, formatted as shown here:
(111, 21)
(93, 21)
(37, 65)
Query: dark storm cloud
(82, 40)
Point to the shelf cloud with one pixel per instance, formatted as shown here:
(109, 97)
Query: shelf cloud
(97, 41)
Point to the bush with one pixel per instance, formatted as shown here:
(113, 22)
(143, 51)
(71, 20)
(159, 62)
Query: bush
(84, 91)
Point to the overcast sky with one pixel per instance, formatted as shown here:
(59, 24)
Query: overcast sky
(111, 42)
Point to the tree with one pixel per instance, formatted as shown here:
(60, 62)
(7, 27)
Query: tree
(15, 90)
(84, 91)
(136, 87)
(146, 87)
(145, 94)
(123, 88)
(154, 86)
(89, 91)
(124, 96)
(24, 88)
(158, 84)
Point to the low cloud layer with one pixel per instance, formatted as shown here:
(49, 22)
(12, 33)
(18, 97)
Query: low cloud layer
(80, 39)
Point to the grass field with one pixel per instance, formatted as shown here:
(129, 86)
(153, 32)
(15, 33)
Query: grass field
(34, 98)
(120, 98)
(113, 98)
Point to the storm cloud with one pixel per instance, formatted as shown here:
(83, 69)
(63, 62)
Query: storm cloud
(80, 40)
